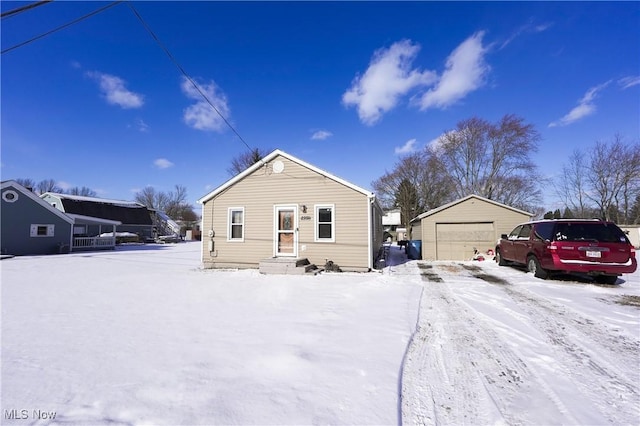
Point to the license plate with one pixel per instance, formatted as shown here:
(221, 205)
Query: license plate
(594, 254)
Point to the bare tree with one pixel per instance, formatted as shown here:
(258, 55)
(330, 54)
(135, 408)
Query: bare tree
(27, 183)
(84, 191)
(151, 198)
(176, 202)
(572, 187)
(173, 203)
(492, 160)
(48, 185)
(417, 183)
(614, 178)
(245, 160)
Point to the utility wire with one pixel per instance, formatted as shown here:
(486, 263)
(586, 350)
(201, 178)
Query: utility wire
(21, 9)
(75, 21)
(184, 73)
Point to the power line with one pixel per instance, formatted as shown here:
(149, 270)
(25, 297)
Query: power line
(75, 21)
(21, 9)
(184, 73)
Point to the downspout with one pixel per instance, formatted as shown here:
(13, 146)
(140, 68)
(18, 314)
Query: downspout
(71, 236)
(202, 237)
(370, 200)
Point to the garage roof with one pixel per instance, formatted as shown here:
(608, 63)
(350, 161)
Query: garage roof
(453, 203)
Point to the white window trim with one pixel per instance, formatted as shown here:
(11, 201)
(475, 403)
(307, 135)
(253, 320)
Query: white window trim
(34, 230)
(230, 210)
(316, 223)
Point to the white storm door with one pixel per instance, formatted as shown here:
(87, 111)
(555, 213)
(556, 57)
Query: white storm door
(286, 231)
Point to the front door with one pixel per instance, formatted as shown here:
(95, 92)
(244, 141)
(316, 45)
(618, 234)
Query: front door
(286, 231)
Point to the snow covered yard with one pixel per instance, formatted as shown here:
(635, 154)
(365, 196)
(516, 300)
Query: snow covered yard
(142, 335)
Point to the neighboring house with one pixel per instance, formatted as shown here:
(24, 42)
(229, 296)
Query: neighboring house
(32, 226)
(455, 230)
(283, 207)
(391, 222)
(633, 233)
(133, 217)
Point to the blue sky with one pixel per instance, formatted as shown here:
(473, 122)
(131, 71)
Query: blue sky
(346, 86)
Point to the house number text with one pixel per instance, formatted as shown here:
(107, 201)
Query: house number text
(305, 217)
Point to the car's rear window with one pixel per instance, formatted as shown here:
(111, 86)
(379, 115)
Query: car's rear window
(545, 230)
(600, 232)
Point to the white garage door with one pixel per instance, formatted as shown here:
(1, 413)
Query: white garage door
(456, 241)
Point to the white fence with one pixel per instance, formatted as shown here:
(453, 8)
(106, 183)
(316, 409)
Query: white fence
(93, 242)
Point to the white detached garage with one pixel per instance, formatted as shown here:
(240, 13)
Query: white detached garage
(455, 230)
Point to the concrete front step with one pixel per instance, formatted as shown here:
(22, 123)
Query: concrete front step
(287, 266)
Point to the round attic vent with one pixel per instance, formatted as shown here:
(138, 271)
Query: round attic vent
(10, 196)
(278, 166)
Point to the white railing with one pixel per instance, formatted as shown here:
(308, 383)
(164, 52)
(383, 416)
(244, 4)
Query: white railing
(93, 242)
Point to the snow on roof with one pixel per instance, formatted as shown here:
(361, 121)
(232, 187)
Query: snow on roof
(122, 203)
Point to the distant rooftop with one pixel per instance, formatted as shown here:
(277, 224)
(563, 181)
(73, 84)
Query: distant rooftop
(94, 199)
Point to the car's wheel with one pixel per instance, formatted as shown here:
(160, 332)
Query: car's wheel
(606, 279)
(533, 265)
(500, 259)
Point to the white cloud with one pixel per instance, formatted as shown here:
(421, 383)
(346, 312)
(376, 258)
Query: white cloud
(528, 28)
(162, 163)
(114, 90)
(465, 72)
(65, 186)
(388, 77)
(142, 126)
(201, 115)
(585, 107)
(630, 81)
(321, 135)
(407, 148)
(434, 144)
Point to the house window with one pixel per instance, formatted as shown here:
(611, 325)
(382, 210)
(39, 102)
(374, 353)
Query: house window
(235, 230)
(42, 230)
(325, 223)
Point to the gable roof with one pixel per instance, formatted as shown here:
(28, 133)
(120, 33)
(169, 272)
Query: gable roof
(461, 200)
(29, 194)
(93, 199)
(289, 157)
(125, 212)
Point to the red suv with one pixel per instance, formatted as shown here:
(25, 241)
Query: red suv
(572, 246)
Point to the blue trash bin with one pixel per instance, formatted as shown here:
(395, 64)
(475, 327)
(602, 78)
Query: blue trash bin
(414, 251)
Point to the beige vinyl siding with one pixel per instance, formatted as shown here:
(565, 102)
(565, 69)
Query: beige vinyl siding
(259, 192)
(484, 220)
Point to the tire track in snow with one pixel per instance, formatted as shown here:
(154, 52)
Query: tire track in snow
(595, 356)
(592, 353)
(457, 370)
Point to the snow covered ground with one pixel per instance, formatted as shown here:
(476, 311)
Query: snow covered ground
(142, 335)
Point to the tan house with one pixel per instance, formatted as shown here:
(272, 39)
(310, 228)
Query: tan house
(455, 230)
(285, 208)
